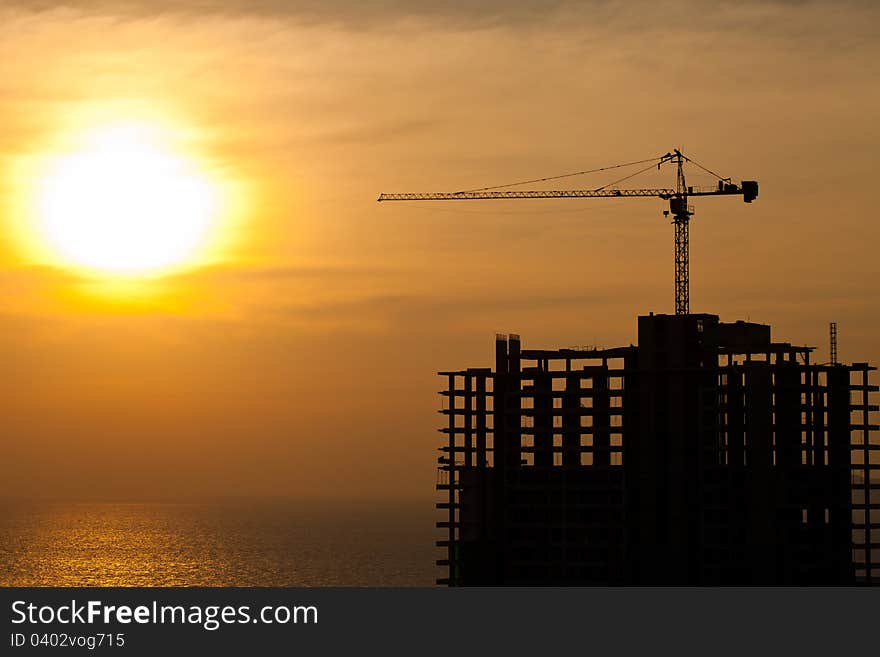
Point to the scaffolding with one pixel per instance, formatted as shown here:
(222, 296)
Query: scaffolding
(705, 455)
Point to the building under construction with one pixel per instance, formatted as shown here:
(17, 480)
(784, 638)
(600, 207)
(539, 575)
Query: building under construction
(707, 454)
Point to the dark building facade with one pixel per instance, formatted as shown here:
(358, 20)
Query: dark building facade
(708, 454)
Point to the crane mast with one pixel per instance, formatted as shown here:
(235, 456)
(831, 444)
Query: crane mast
(678, 205)
(681, 218)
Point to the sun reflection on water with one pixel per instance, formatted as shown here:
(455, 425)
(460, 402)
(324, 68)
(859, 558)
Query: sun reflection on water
(214, 545)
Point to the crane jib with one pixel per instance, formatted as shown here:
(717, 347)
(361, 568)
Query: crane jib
(748, 189)
(549, 193)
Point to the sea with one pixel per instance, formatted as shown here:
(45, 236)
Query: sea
(323, 543)
(218, 544)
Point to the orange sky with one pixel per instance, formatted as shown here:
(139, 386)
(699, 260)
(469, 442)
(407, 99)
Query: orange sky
(298, 359)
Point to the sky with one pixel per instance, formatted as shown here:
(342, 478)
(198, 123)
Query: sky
(297, 356)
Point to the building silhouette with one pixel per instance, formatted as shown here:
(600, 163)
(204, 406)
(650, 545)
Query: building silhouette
(708, 454)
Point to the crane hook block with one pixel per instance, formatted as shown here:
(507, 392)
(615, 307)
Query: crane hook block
(749, 190)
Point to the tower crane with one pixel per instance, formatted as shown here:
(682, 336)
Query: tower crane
(678, 203)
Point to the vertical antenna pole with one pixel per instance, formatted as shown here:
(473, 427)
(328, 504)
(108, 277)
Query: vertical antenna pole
(833, 336)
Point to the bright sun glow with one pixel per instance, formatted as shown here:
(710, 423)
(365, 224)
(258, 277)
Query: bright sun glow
(125, 202)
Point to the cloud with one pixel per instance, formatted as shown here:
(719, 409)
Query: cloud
(349, 12)
(618, 16)
(225, 273)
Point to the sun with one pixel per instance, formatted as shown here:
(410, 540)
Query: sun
(124, 201)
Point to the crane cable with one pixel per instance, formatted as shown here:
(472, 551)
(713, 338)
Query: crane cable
(632, 175)
(712, 173)
(653, 160)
